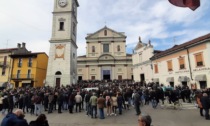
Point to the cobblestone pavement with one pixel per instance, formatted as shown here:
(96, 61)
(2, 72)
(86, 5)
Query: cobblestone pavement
(160, 117)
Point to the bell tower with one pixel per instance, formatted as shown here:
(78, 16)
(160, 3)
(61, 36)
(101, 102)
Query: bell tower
(62, 63)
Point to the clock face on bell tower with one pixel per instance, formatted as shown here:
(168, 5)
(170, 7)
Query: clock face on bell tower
(62, 3)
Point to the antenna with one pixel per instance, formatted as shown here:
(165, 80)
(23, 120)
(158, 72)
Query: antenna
(7, 43)
(174, 38)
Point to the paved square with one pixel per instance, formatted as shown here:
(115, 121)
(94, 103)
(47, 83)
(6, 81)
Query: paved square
(160, 117)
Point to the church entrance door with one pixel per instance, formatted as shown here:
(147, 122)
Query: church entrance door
(58, 82)
(106, 75)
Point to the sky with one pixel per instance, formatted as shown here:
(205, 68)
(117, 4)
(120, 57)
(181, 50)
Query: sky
(30, 21)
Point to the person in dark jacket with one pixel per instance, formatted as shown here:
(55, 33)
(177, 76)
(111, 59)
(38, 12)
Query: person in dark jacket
(60, 101)
(11, 102)
(46, 101)
(14, 119)
(71, 102)
(120, 101)
(205, 101)
(87, 104)
(136, 100)
(40, 121)
(5, 104)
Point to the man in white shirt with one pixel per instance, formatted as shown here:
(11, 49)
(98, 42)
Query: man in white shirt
(78, 99)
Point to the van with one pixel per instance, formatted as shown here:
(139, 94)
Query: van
(91, 89)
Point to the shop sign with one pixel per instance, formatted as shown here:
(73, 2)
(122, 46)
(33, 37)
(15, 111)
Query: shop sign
(201, 69)
(182, 71)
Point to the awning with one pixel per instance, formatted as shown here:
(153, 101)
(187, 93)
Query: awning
(26, 81)
(201, 77)
(183, 78)
(170, 79)
(155, 80)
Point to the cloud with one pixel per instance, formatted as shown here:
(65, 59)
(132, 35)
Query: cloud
(155, 20)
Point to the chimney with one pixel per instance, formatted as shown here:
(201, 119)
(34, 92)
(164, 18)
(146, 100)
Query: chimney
(23, 45)
(140, 39)
(18, 45)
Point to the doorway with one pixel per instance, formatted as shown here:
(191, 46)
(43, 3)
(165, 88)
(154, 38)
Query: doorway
(142, 77)
(58, 82)
(80, 78)
(171, 84)
(17, 84)
(203, 84)
(184, 83)
(119, 77)
(106, 75)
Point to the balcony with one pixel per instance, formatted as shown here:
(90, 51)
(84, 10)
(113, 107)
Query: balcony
(29, 64)
(3, 64)
(22, 76)
(19, 64)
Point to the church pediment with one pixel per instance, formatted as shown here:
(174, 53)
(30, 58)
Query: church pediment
(140, 45)
(105, 32)
(106, 57)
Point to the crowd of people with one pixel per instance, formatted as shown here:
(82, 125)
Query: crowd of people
(115, 96)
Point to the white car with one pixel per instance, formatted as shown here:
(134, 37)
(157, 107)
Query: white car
(92, 88)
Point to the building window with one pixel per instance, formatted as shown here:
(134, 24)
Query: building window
(29, 74)
(74, 55)
(156, 68)
(105, 47)
(199, 59)
(61, 28)
(181, 63)
(105, 32)
(93, 78)
(93, 49)
(20, 62)
(118, 48)
(18, 74)
(30, 62)
(4, 66)
(169, 63)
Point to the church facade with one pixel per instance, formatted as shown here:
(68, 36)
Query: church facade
(106, 57)
(62, 68)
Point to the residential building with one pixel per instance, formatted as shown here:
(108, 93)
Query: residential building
(28, 69)
(106, 57)
(187, 64)
(62, 65)
(5, 65)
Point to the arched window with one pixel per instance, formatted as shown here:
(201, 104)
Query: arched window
(118, 48)
(105, 32)
(93, 48)
(58, 73)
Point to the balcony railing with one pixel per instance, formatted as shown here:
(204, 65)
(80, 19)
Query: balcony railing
(2, 64)
(22, 76)
(19, 64)
(29, 64)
